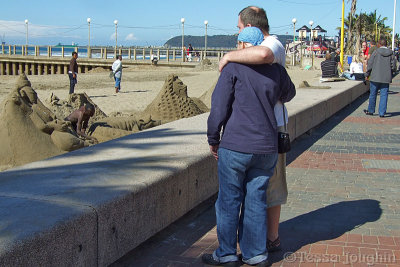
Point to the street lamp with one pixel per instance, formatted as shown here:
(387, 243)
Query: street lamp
(26, 41)
(394, 22)
(205, 39)
(311, 43)
(116, 43)
(294, 20)
(183, 34)
(88, 50)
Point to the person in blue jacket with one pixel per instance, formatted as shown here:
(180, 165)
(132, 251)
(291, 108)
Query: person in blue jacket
(242, 106)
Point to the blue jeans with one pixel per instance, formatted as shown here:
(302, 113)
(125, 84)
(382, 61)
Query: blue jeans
(243, 180)
(373, 89)
(117, 83)
(72, 82)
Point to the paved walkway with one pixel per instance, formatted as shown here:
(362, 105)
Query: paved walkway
(344, 200)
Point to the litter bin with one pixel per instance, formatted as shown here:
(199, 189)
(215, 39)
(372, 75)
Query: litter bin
(349, 59)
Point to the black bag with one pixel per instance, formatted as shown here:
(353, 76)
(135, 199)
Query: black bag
(283, 137)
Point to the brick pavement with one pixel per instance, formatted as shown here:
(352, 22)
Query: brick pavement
(344, 200)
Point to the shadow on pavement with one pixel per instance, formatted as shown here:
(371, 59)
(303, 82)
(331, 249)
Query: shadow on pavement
(326, 223)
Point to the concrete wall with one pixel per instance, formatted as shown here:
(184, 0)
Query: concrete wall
(91, 206)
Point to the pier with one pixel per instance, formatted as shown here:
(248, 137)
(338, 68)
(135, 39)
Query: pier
(47, 60)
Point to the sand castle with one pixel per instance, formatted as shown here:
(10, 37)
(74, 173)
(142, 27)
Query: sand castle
(172, 102)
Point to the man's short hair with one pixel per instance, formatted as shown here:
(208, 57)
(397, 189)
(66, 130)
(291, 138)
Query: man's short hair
(74, 53)
(373, 42)
(382, 41)
(256, 17)
(89, 106)
(328, 56)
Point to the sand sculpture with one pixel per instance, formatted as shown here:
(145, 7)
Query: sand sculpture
(29, 131)
(172, 102)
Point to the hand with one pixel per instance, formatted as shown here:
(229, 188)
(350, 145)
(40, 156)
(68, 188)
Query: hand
(223, 62)
(214, 151)
(74, 75)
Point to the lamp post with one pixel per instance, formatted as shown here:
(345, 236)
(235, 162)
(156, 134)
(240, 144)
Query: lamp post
(311, 43)
(294, 20)
(26, 41)
(342, 39)
(88, 49)
(183, 34)
(116, 39)
(205, 39)
(394, 22)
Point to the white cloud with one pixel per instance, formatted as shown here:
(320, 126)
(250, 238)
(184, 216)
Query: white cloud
(112, 37)
(130, 37)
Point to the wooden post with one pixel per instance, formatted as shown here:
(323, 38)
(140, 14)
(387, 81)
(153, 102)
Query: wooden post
(144, 54)
(62, 51)
(167, 55)
(129, 53)
(14, 68)
(105, 52)
(2, 68)
(8, 69)
(21, 68)
(134, 53)
(174, 55)
(33, 69)
(158, 54)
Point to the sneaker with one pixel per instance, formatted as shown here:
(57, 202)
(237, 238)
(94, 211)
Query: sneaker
(368, 113)
(273, 246)
(209, 259)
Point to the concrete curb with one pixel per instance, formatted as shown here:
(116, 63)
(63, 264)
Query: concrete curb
(91, 206)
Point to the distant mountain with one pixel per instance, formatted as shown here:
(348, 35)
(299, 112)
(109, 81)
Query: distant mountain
(214, 41)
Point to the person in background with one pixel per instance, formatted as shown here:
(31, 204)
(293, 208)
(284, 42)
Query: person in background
(73, 72)
(80, 118)
(364, 49)
(117, 71)
(190, 52)
(381, 64)
(371, 49)
(356, 69)
(243, 104)
(329, 67)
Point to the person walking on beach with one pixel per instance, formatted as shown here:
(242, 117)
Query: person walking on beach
(117, 71)
(380, 66)
(270, 51)
(243, 104)
(73, 72)
(80, 118)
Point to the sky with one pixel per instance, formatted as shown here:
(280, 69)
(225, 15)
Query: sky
(145, 23)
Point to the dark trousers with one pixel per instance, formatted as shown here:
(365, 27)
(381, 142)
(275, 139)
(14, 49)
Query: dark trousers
(72, 82)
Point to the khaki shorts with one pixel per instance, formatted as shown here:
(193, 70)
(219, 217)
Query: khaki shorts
(277, 191)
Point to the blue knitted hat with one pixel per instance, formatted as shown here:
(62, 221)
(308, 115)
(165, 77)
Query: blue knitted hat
(252, 35)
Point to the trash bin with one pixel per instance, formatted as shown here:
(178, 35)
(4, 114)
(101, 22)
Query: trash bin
(349, 59)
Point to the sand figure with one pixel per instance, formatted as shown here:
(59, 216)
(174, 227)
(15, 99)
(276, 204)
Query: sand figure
(115, 127)
(29, 131)
(172, 103)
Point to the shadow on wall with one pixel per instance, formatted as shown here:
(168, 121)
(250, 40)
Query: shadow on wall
(325, 223)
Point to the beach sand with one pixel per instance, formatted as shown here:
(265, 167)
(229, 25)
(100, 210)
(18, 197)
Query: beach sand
(140, 87)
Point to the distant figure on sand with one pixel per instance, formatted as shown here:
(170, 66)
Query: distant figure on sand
(80, 119)
(117, 71)
(73, 72)
(154, 59)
